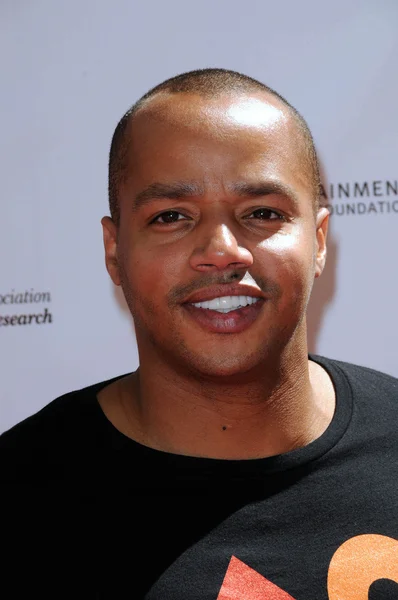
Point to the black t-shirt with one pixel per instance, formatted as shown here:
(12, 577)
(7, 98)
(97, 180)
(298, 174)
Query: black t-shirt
(89, 513)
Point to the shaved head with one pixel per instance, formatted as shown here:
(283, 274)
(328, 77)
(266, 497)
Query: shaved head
(208, 83)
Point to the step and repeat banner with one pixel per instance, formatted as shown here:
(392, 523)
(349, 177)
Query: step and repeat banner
(69, 72)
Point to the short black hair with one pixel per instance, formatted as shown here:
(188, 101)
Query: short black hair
(205, 82)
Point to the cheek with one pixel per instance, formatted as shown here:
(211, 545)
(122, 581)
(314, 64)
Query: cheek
(150, 275)
(290, 259)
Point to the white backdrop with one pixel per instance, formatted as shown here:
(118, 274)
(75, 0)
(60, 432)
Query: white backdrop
(69, 70)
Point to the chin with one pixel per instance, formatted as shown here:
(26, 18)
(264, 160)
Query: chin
(220, 366)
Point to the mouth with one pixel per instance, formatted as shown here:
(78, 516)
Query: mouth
(226, 314)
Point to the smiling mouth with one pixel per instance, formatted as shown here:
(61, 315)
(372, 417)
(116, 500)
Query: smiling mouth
(228, 314)
(226, 304)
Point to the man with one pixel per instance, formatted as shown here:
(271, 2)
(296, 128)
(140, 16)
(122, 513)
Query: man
(230, 464)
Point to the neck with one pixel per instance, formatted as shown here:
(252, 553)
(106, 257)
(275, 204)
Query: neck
(285, 408)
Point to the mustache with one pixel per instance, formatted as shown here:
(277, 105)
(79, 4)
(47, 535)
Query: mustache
(179, 293)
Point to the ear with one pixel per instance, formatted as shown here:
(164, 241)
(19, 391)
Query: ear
(322, 222)
(109, 231)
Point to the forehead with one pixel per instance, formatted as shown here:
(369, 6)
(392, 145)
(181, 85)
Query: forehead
(228, 135)
(228, 116)
(256, 109)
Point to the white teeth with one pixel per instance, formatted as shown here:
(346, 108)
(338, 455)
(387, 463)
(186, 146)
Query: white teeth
(226, 303)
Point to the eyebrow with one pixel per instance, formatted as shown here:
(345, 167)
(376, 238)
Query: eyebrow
(265, 188)
(174, 191)
(181, 190)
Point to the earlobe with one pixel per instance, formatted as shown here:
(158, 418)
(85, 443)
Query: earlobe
(109, 231)
(322, 223)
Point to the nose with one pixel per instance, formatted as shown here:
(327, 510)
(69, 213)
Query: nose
(220, 249)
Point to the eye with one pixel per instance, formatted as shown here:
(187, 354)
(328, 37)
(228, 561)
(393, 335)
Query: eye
(265, 214)
(169, 216)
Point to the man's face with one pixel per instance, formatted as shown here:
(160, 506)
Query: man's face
(217, 203)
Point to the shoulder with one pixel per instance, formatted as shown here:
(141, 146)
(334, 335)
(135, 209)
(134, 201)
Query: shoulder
(364, 379)
(61, 429)
(57, 417)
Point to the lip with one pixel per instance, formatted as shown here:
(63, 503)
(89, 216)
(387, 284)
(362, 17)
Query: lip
(218, 291)
(235, 321)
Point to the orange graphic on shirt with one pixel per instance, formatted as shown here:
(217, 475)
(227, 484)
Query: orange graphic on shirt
(358, 562)
(362, 559)
(241, 581)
